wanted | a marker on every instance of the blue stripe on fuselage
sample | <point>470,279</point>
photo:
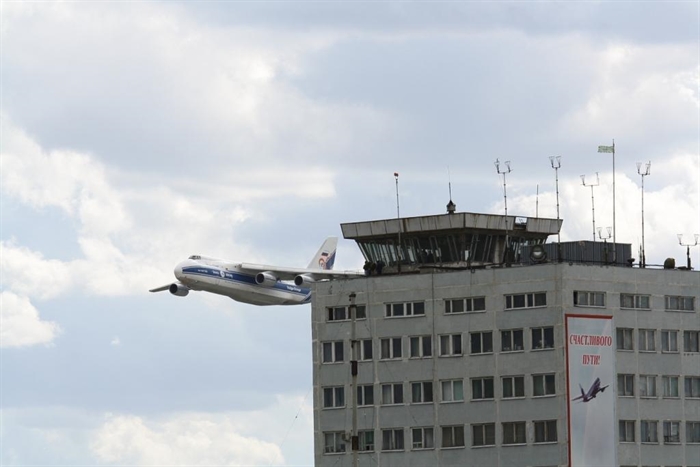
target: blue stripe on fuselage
<point>234,277</point>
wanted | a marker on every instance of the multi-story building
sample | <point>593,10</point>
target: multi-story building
<point>479,345</point>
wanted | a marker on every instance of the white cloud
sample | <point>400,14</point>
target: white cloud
<point>115,341</point>
<point>181,440</point>
<point>20,325</point>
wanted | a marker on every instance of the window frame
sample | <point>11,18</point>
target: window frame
<point>516,439</point>
<point>671,438</point>
<point>362,391</point>
<point>549,427</point>
<point>624,339</point>
<point>650,428</point>
<point>669,336</point>
<point>692,432</point>
<point>513,386</point>
<point>422,385</point>
<point>543,331</point>
<point>483,428</point>
<point>530,300</point>
<point>396,392</point>
<point>691,387</point>
<point>396,437</point>
<point>622,389</point>
<point>423,430</point>
<point>364,445</point>
<point>337,397</point>
<point>454,434</point>
<point>510,336</point>
<point>334,346</point>
<point>647,383</point>
<point>628,429</point>
<point>545,386</point>
<point>363,347</point>
<point>637,301</point>
<point>451,383</point>
<point>391,349</point>
<point>468,305</point>
<point>339,446</point>
<point>691,341</point>
<point>482,344</point>
<point>483,384</point>
<point>422,346</point>
<point>682,305</point>
<point>667,386</point>
<point>590,299</point>
<point>643,340</point>
<point>451,346</point>
<point>408,309</point>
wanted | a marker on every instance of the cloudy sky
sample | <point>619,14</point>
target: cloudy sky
<point>137,133</point>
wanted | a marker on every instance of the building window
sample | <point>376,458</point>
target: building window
<point>366,349</point>
<point>365,395</point>
<point>421,346</point>
<point>333,442</point>
<point>482,342</point>
<point>647,386</point>
<point>692,387</point>
<point>647,340</point>
<point>640,302</point>
<point>482,388</point>
<point>625,385</point>
<point>583,298</point>
<point>677,303</point>
<point>397,310</point>
<point>624,339</point>
<point>672,434</point>
<point>484,434</point>
<point>543,385</point>
<point>542,338</point>
<point>669,341</point>
<point>390,348</point>
<point>450,345</point>
<point>392,439</point>
<point>692,432</point>
<point>452,390</point>
<point>546,431</point>
<point>421,392</point>
<point>670,384</point>
<point>513,386</point>
<point>526,300</point>
<point>627,431</point>
<point>392,394</point>
<point>453,436</point>
<point>649,431</point>
<point>333,352</point>
<point>512,340</point>
<point>333,397</point>
<point>366,440</point>
<point>691,341</point>
<point>422,438</point>
<point>465,305</point>
<point>514,433</point>
<point>337,313</point>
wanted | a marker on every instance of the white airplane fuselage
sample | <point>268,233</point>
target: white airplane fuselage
<point>223,278</point>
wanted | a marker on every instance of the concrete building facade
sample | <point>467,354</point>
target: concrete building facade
<point>453,363</point>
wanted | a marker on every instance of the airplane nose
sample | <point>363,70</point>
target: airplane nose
<point>178,270</point>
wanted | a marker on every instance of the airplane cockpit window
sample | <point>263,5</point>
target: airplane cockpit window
<point>195,257</point>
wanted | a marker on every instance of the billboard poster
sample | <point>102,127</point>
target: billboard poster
<point>590,373</point>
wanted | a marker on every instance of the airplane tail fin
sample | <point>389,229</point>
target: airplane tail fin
<point>583,393</point>
<point>325,256</point>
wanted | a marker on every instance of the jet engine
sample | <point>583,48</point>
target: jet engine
<point>303,279</point>
<point>265,279</point>
<point>179,289</point>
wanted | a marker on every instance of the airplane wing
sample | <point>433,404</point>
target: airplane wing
<point>577,398</point>
<point>288,274</point>
<point>160,289</point>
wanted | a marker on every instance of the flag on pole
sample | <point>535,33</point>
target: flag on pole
<point>605,149</point>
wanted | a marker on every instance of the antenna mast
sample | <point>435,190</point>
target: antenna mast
<point>556,164</point>
<point>398,219</point>
<point>688,245</point>
<point>597,182</point>
<point>647,171</point>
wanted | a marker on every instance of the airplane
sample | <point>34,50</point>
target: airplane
<point>256,284</point>
<point>592,392</point>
